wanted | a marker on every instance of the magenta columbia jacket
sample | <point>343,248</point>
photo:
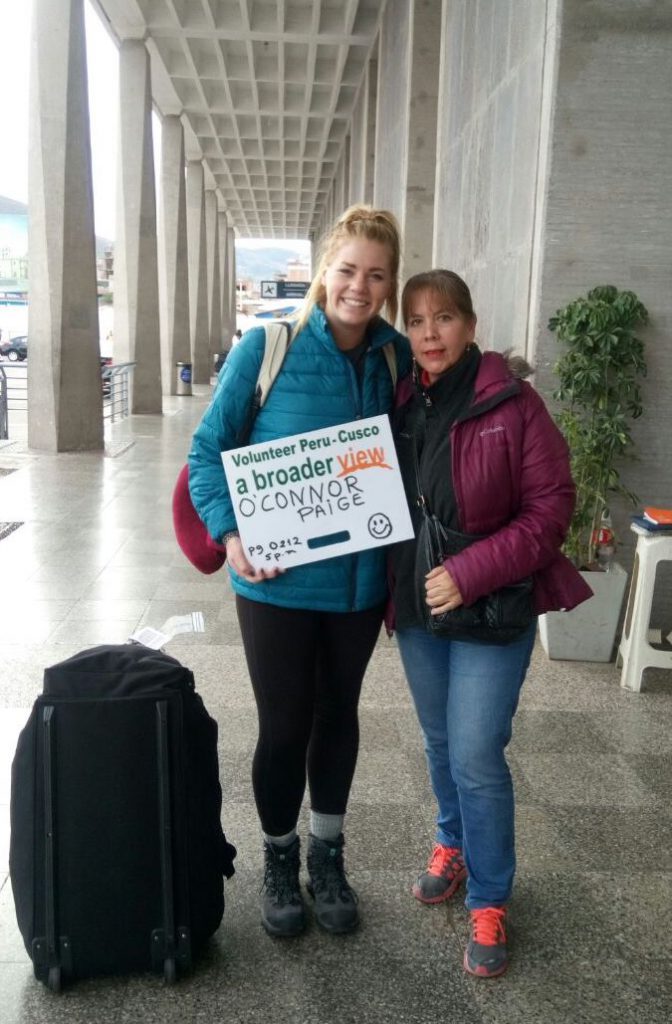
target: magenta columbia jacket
<point>512,482</point>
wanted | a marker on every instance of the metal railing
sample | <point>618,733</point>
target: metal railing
<point>116,383</point>
<point>4,422</point>
<point>117,380</point>
<point>13,394</point>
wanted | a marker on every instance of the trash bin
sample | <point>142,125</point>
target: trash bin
<point>183,379</point>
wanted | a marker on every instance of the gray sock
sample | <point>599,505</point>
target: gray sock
<point>285,840</point>
<point>326,826</point>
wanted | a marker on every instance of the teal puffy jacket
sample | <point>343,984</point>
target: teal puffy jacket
<point>317,387</point>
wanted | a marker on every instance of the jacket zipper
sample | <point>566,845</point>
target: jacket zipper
<point>358,393</point>
<point>359,406</point>
<point>456,491</point>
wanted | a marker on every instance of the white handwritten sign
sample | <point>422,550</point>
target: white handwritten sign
<point>319,494</point>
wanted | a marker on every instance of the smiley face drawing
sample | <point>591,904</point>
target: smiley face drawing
<point>379,526</point>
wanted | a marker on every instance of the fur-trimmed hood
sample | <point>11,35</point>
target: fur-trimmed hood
<point>517,365</point>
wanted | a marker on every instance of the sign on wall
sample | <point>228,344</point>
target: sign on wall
<point>283,289</point>
<point>312,496</point>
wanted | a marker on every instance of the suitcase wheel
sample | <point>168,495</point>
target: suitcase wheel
<point>169,970</point>
<point>54,979</point>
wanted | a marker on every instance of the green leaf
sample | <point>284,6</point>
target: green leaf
<point>599,393</point>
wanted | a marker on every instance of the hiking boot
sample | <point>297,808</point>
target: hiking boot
<point>486,955</point>
<point>442,878</point>
<point>335,901</point>
<point>282,908</point>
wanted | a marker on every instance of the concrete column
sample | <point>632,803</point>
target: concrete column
<point>198,279</point>
<point>212,263</point>
<point>175,343</point>
<point>343,179</point>
<point>604,204</point>
<point>492,99</point>
<point>321,229</point>
<point>358,148</point>
<point>136,292</point>
<point>370,113</point>
<point>228,322</point>
<point>64,387</point>
<point>231,263</point>
<point>407,123</point>
<point>339,191</point>
<point>418,215</point>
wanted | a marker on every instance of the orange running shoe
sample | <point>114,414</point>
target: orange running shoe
<point>486,955</point>
<point>442,878</point>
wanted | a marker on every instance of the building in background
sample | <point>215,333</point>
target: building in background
<point>298,270</point>
<point>13,251</point>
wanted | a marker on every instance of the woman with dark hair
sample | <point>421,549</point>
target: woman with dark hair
<point>479,452</point>
<point>309,632</point>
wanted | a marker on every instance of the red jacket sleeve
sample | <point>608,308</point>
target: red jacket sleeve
<point>533,537</point>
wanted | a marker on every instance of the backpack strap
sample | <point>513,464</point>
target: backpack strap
<point>390,354</point>
<point>278,338</point>
<point>277,341</point>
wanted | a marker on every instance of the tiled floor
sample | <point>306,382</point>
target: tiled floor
<point>592,941</point>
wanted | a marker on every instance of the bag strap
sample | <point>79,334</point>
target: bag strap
<point>278,337</point>
<point>420,500</point>
<point>390,354</point>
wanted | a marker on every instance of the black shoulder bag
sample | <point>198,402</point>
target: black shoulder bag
<point>496,618</point>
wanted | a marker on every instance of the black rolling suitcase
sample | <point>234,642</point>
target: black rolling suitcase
<point>117,854</point>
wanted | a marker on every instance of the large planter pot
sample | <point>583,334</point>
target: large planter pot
<point>588,632</point>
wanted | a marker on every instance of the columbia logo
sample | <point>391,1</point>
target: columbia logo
<point>492,430</point>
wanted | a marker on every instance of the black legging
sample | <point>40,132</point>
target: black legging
<point>306,669</point>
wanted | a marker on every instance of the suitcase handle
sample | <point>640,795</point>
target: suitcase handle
<point>51,956</point>
<point>49,859</point>
<point>166,830</point>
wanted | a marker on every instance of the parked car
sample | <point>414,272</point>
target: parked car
<point>16,349</point>
<point>107,383</point>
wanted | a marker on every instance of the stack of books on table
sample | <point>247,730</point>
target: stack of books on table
<point>654,519</point>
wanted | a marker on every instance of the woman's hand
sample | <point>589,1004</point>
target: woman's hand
<point>235,556</point>
<point>442,594</point>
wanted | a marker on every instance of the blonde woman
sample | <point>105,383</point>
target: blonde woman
<point>309,632</point>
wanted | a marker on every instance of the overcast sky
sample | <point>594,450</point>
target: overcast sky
<point>103,67</point>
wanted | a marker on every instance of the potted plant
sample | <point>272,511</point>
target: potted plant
<point>599,393</point>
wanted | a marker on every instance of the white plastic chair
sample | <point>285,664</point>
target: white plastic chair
<point>635,652</point>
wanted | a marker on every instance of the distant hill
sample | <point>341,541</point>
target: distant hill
<point>12,207</point>
<point>255,264</point>
<point>263,264</point>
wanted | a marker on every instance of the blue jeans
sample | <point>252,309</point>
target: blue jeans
<point>466,695</point>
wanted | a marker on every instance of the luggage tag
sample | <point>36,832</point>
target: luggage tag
<point>192,622</point>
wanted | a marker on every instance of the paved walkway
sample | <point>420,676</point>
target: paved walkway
<point>95,556</point>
